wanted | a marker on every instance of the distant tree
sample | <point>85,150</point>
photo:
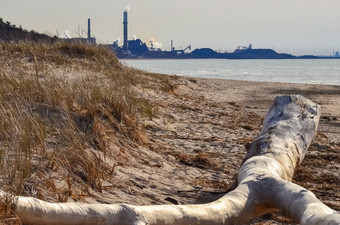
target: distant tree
<point>10,32</point>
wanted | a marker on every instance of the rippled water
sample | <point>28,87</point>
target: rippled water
<point>308,71</point>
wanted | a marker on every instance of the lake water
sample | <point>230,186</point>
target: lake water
<point>308,71</point>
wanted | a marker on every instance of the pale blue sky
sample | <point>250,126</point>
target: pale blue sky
<point>291,26</point>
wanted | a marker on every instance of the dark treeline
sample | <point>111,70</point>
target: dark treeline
<point>10,32</point>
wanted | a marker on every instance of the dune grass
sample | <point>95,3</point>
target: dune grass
<point>65,107</point>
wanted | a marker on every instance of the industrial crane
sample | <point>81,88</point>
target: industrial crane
<point>189,47</point>
<point>182,50</point>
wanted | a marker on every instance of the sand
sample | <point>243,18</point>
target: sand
<point>199,136</point>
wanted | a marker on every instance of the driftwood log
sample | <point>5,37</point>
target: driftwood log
<point>263,184</point>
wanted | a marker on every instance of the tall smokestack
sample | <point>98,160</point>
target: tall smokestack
<point>125,45</point>
<point>125,22</point>
<point>89,28</point>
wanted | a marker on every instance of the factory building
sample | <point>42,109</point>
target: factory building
<point>136,48</point>
<point>89,38</point>
<point>130,48</point>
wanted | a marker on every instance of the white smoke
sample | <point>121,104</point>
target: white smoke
<point>134,37</point>
<point>127,8</point>
<point>155,44</point>
<point>66,35</point>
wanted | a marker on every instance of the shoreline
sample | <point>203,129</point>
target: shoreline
<point>253,70</point>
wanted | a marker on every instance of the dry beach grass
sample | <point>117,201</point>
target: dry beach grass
<point>59,104</point>
<point>76,125</point>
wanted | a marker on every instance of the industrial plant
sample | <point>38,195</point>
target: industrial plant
<point>90,39</point>
<point>136,48</point>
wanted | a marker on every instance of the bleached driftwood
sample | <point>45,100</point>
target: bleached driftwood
<point>264,184</point>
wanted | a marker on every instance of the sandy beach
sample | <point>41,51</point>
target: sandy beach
<point>91,130</point>
<point>198,139</point>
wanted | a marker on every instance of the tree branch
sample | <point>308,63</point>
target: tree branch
<point>264,184</point>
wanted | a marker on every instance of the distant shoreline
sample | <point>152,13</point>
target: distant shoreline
<point>138,49</point>
<point>301,71</point>
<point>297,58</point>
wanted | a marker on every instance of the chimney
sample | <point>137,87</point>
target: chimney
<point>89,29</point>
<point>125,22</point>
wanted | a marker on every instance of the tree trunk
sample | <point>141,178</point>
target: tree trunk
<point>264,184</point>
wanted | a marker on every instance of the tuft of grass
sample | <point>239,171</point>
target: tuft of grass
<point>66,112</point>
